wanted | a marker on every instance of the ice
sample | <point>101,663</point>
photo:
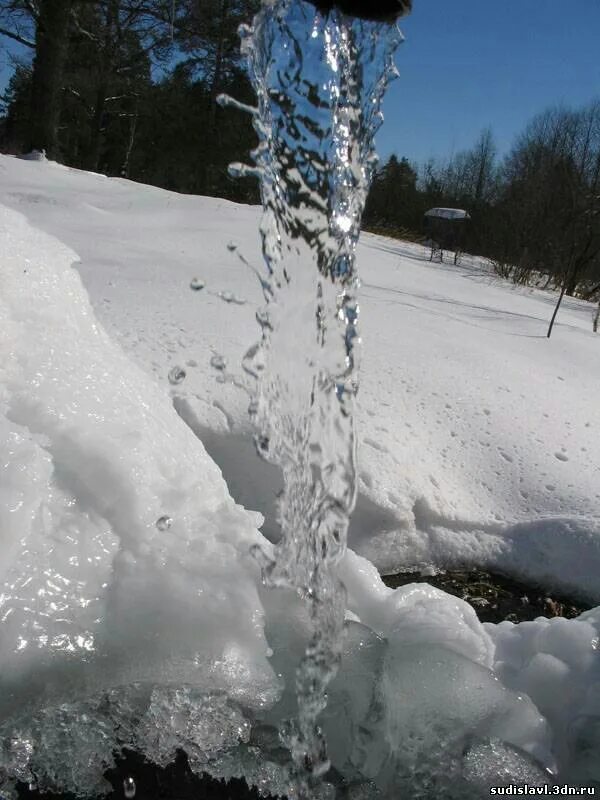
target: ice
<point>254,765</point>
<point>414,614</point>
<point>65,748</point>
<point>495,763</point>
<point>68,747</point>
<point>584,745</point>
<point>406,705</point>
<point>556,663</point>
<point>351,697</point>
<point>431,704</point>
<point>203,725</point>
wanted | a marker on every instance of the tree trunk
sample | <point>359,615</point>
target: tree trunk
<point>93,156</point>
<point>51,43</point>
<point>128,152</point>
<point>572,283</point>
<point>215,88</point>
<point>110,45</point>
<point>216,81</point>
<point>596,319</point>
<point>560,297</point>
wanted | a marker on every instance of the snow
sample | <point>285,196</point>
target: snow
<point>478,442</point>
<point>478,436</point>
<point>93,454</point>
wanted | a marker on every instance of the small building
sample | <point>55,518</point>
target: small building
<point>445,228</point>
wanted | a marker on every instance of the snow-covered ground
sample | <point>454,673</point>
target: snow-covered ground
<point>479,443</point>
<point>479,438</point>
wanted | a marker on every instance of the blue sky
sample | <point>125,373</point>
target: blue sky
<point>470,64</point>
<point>8,48</point>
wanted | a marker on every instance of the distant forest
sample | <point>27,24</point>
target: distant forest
<point>129,88</point>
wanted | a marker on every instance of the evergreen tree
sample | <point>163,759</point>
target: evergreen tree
<point>393,199</point>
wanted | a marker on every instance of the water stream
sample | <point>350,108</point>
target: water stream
<point>319,80</point>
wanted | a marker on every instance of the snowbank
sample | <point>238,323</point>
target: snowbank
<point>124,557</point>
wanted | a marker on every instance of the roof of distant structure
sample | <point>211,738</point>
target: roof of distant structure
<point>448,213</point>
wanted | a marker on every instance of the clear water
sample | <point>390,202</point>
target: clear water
<point>319,82</point>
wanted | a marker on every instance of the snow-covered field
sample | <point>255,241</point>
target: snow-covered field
<point>479,437</point>
<point>479,442</point>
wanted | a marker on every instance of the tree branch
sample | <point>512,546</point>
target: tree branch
<point>82,30</point>
<point>17,38</point>
<point>32,8</point>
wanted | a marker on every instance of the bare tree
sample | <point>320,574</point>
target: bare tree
<point>550,202</point>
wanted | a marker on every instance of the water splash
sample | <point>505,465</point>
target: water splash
<point>319,80</point>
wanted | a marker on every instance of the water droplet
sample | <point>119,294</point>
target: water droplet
<point>176,375</point>
<point>129,787</point>
<point>196,284</point>
<point>164,523</point>
<point>218,362</point>
<point>232,247</point>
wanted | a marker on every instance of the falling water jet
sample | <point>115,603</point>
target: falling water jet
<point>319,75</point>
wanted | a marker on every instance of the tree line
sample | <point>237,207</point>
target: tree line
<point>534,213</point>
<point>128,87</point>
